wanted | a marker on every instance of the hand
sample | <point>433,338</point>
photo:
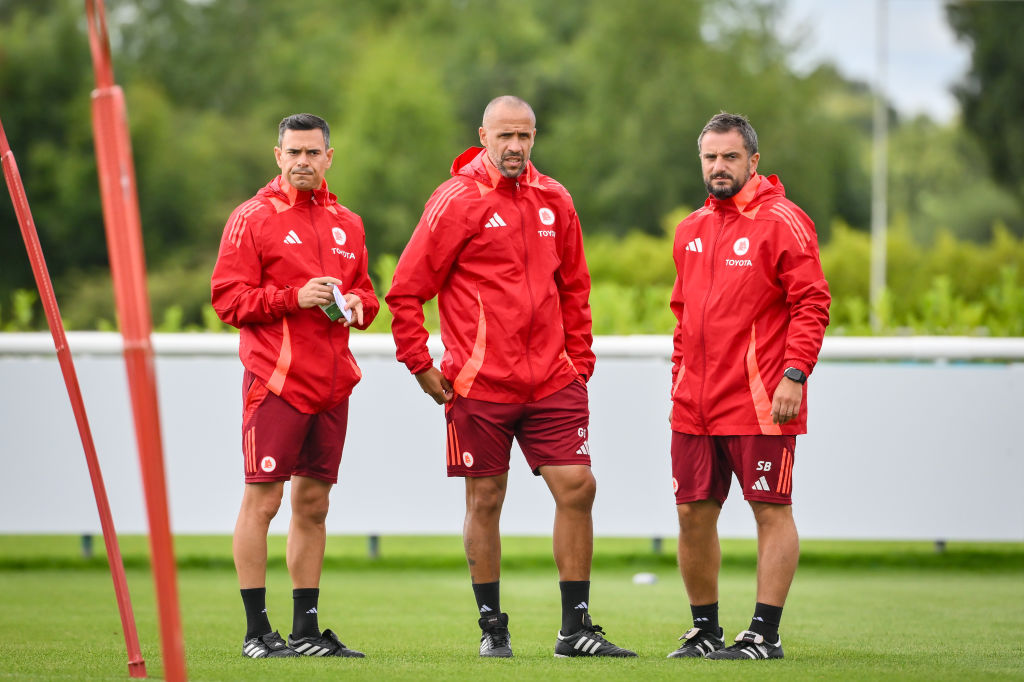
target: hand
<point>317,291</point>
<point>355,304</point>
<point>435,385</point>
<point>786,402</point>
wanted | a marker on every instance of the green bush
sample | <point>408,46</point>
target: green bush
<point>952,286</point>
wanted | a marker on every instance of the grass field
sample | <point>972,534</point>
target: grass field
<point>857,611</point>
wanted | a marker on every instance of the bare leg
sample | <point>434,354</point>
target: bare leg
<point>480,534</point>
<point>700,554</point>
<point>778,551</point>
<point>260,502</point>
<point>307,533</point>
<point>573,488</point>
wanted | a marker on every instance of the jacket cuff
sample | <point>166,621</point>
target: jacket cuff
<point>285,301</point>
<point>420,363</point>
<point>799,364</point>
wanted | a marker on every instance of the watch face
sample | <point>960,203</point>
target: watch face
<point>795,374</point>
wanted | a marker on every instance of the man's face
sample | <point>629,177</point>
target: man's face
<point>508,133</point>
<point>725,163</point>
<point>303,159</point>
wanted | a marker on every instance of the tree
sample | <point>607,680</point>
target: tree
<point>992,96</point>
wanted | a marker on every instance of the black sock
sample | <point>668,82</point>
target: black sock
<point>256,622</point>
<point>575,595</point>
<point>304,620</point>
<point>706,618</point>
<point>488,601</point>
<point>766,621</point>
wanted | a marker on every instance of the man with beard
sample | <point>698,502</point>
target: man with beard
<point>286,254</point>
<point>752,306</point>
<point>500,245</point>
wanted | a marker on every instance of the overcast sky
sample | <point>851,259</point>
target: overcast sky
<point>925,58</point>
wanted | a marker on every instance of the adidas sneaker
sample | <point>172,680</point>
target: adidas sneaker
<point>588,641</point>
<point>270,645</point>
<point>749,646</point>
<point>698,643</point>
<point>495,640</point>
<point>325,644</point>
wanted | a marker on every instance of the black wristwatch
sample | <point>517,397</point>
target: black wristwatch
<point>794,374</point>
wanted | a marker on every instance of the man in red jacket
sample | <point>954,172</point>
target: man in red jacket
<point>500,245</point>
<point>752,306</point>
<point>286,255</point>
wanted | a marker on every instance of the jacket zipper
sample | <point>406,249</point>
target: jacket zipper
<point>330,327</point>
<point>703,319</point>
<point>529,288</point>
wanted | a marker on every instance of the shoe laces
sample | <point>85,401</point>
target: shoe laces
<point>496,637</point>
<point>597,630</point>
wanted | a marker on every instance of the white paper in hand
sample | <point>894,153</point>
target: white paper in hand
<point>339,298</point>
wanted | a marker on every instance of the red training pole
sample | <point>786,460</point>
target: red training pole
<point>128,269</point>
<point>136,664</point>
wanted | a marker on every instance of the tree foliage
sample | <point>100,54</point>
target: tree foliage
<point>621,91</point>
<point>992,97</point>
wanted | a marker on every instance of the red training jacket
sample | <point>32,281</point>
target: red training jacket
<point>272,245</point>
<point>751,300</point>
<point>505,258</point>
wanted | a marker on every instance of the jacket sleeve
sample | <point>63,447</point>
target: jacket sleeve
<point>363,288</point>
<point>677,303</point>
<point>806,292</point>
<point>573,282</point>
<point>421,271</point>
<point>235,287</point>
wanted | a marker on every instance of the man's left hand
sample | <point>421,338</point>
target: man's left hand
<point>786,403</point>
<point>355,304</point>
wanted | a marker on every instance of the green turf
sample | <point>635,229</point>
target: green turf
<point>857,611</point>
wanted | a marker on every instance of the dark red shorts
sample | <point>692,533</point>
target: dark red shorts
<point>550,431</point>
<point>279,442</point>
<point>702,467</point>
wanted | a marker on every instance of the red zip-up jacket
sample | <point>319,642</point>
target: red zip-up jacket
<point>505,258</point>
<point>272,245</point>
<point>751,300</point>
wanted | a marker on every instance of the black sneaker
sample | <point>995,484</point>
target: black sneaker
<point>495,641</point>
<point>270,645</point>
<point>749,646</point>
<point>698,644</point>
<point>326,644</point>
<point>588,641</point>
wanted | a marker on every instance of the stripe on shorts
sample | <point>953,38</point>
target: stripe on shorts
<point>785,484</point>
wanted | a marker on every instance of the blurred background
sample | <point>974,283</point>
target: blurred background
<point>621,91</point>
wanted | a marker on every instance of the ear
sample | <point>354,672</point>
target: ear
<point>753,163</point>
<point>330,156</point>
<point>277,157</point>
<point>483,136</point>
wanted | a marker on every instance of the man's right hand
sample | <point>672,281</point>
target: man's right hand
<point>435,385</point>
<point>317,291</point>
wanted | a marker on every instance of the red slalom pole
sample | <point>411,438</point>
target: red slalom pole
<point>128,270</point>
<point>136,664</point>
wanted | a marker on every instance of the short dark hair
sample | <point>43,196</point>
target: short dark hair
<point>304,122</point>
<point>723,122</point>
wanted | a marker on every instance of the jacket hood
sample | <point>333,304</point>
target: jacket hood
<point>474,163</point>
<point>758,190</point>
<point>282,191</point>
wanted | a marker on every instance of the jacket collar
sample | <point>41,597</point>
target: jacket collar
<point>750,197</point>
<point>281,189</point>
<point>476,164</point>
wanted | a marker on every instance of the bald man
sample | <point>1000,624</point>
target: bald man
<point>501,246</point>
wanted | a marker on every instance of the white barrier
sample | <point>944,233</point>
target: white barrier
<point>924,449</point>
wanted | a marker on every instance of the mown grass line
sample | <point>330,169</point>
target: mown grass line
<point>397,553</point>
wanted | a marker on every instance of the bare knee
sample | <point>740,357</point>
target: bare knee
<point>311,506</point>
<point>261,504</point>
<point>484,497</point>
<point>577,490</point>
<point>698,516</point>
